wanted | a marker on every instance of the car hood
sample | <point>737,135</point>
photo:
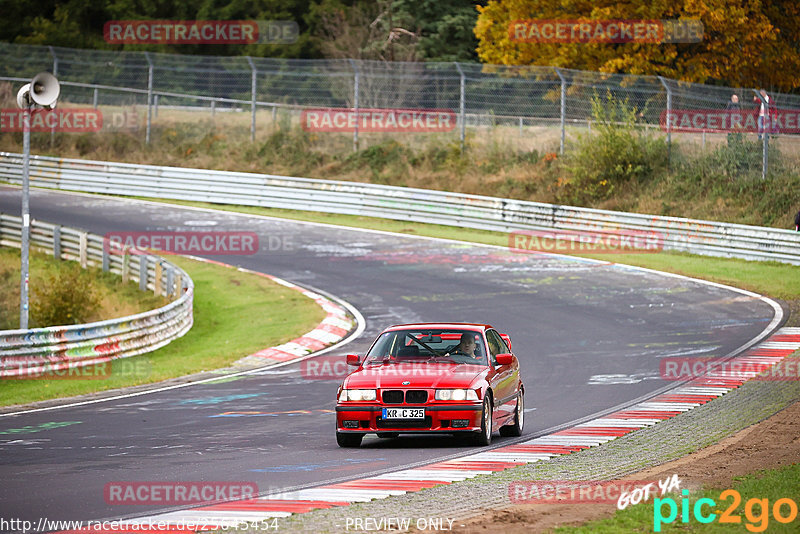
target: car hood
<point>430,375</point>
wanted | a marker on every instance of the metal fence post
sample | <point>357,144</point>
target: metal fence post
<point>149,97</point>
<point>95,97</point>
<point>669,121</point>
<point>462,104</point>
<point>106,254</point>
<point>157,283</point>
<point>57,242</point>
<point>356,76</point>
<point>253,79</point>
<point>142,272</point>
<point>563,111</point>
<point>765,135</point>
<point>83,243</point>
<point>55,60</point>
<point>126,265</point>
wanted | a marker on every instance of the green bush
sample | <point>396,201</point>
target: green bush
<point>67,297</point>
<point>616,153</point>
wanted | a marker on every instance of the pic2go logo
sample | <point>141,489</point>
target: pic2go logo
<point>758,520</point>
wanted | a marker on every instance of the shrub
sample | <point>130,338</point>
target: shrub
<point>67,297</point>
<point>615,154</point>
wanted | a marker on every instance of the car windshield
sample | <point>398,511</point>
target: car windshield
<point>428,346</point>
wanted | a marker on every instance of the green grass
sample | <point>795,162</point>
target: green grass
<point>771,484</point>
<point>777,280</point>
<point>235,314</point>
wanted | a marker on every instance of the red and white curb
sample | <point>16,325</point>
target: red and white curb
<point>589,434</point>
<point>333,328</point>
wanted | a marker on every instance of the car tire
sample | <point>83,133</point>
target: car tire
<point>484,437</point>
<point>515,428</point>
<point>388,434</point>
<point>346,439</point>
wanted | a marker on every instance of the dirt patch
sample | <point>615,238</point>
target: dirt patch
<point>772,443</point>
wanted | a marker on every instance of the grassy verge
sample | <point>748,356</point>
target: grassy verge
<point>773,279</point>
<point>771,485</point>
<point>235,314</point>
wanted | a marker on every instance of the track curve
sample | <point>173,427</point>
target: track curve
<point>589,336</point>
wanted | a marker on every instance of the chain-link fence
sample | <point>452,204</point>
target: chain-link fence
<point>542,108</point>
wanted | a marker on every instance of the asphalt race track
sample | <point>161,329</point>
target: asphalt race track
<point>589,337</point>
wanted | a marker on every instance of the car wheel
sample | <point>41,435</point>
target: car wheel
<point>515,428</point>
<point>484,437</point>
<point>388,434</point>
<point>345,439</point>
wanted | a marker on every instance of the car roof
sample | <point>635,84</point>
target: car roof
<point>478,327</point>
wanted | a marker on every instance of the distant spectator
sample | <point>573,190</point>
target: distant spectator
<point>797,222</point>
<point>733,107</point>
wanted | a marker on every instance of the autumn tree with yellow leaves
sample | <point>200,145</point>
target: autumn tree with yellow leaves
<point>746,43</point>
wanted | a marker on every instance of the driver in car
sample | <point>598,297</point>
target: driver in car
<point>466,345</point>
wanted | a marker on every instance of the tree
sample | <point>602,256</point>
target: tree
<point>744,40</point>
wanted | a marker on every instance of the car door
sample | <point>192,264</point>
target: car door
<point>504,380</point>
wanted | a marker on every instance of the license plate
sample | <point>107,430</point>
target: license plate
<point>404,413</point>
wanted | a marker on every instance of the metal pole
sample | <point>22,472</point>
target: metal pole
<point>149,97</point>
<point>669,121</point>
<point>253,78</point>
<point>765,138</point>
<point>462,105</point>
<point>563,108</point>
<point>95,97</point>
<point>355,103</point>
<point>26,218</point>
<point>55,73</point>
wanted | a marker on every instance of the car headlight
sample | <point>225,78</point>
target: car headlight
<point>456,394</point>
<point>357,395</point>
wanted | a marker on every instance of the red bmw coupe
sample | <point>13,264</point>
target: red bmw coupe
<point>452,378</point>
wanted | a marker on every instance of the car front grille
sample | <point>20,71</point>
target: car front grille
<point>397,396</point>
<point>416,396</point>
<point>392,396</point>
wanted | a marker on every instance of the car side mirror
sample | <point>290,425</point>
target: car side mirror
<point>504,359</point>
<point>353,359</point>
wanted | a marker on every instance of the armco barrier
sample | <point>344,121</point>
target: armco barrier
<point>421,205</point>
<point>58,348</point>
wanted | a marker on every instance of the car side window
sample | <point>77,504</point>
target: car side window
<point>496,345</point>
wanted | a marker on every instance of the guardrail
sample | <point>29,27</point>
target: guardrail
<point>400,203</point>
<point>54,350</point>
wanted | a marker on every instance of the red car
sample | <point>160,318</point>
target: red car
<point>453,378</point>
